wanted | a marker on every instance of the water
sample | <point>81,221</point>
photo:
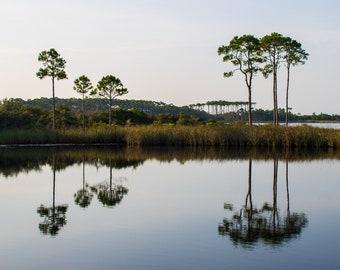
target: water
<point>182,209</point>
<point>335,125</point>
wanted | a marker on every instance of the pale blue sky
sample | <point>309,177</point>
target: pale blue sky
<point>167,50</point>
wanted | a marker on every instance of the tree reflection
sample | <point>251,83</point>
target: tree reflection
<point>251,225</point>
<point>83,197</point>
<point>17,160</point>
<point>110,193</point>
<point>54,216</point>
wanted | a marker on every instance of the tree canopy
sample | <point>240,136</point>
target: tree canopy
<point>53,67</point>
<point>83,85</point>
<point>250,55</point>
<point>110,87</point>
<point>244,53</point>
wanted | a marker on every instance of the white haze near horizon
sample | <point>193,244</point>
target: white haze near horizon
<point>167,50</point>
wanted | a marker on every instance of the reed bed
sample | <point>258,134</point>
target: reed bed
<point>103,135</point>
<point>233,135</point>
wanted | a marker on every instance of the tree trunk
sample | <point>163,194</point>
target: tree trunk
<point>110,175</point>
<point>54,169</point>
<point>53,123</point>
<point>110,109</point>
<point>248,197</point>
<point>287,89</point>
<point>250,116</point>
<point>275,112</point>
<point>83,109</point>
<point>83,173</point>
<point>287,189</point>
<point>275,210</point>
<point>110,112</point>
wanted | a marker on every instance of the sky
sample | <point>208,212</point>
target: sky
<point>166,50</point>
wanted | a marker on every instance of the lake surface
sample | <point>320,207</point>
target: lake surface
<point>107,208</point>
<point>335,125</point>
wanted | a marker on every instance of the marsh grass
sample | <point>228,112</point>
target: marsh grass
<point>232,135</point>
<point>29,136</point>
<point>113,135</point>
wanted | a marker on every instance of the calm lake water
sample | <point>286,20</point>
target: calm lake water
<point>107,208</point>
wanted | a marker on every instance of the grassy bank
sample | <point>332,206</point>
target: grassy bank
<point>234,135</point>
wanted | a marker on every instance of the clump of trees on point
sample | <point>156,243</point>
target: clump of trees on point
<point>251,55</point>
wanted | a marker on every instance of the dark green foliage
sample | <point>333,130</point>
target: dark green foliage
<point>152,108</point>
<point>36,114</point>
<point>65,117</point>
<point>165,118</point>
<point>186,120</point>
<point>109,194</point>
<point>132,116</point>
<point>54,219</point>
<point>15,114</point>
<point>53,65</point>
<point>109,87</point>
<point>83,197</point>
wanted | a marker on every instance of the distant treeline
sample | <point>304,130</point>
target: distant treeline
<point>152,108</point>
<point>36,113</point>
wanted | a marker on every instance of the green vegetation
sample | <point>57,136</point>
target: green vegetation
<point>231,135</point>
<point>24,124</point>
<point>36,113</point>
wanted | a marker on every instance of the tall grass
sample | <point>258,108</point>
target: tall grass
<point>233,135</point>
<point>186,135</point>
<point>102,135</point>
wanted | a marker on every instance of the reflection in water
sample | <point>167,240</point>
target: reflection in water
<point>250,225</point>
<point>84,196</point>
<point>164,201</point>
<point>16,160</point>
<point>110,194</point>
<point>54,216</point>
